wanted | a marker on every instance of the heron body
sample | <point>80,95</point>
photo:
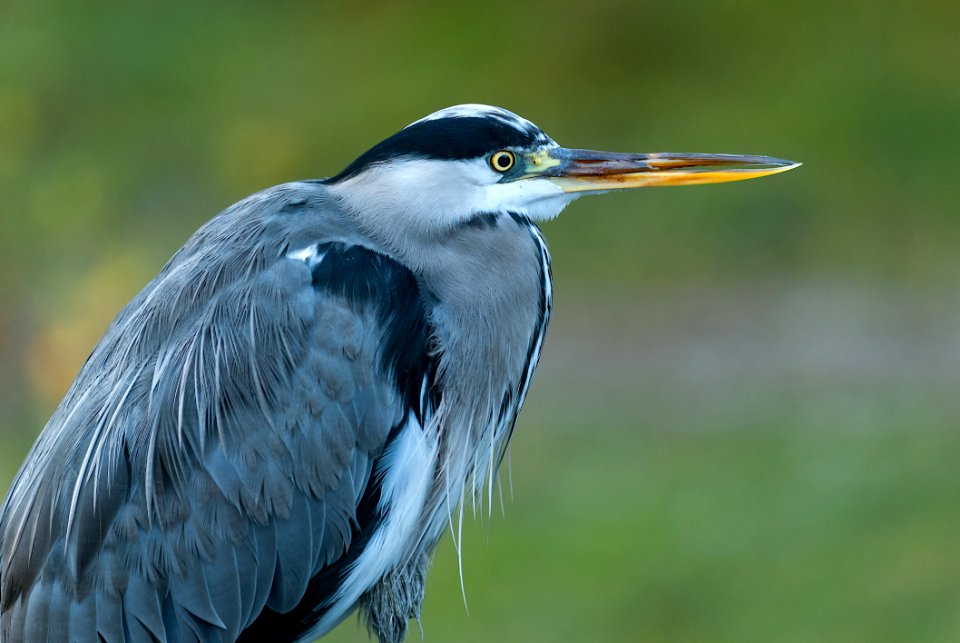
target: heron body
<point>276,430</point>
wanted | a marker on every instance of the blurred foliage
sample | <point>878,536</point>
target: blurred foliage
<point>124,126</point>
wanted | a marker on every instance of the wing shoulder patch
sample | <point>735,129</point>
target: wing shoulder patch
<point>368,280</point>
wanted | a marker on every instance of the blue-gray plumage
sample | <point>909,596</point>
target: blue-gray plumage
<point>276,430</point>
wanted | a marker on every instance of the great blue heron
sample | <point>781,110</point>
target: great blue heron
<point>276,430</point>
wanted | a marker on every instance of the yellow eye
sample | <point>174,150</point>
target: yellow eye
<point>503,160</point>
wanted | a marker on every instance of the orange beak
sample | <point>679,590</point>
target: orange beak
<point>588,171</point>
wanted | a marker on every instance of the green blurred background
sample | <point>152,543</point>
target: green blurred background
<point>745,423</point>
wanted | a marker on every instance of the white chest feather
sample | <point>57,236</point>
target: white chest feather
<point>407,470</point>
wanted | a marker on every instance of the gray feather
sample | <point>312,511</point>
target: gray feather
<point>222,396</point>
<point>295,557</point>
<point>141,603</point>
<point>110,620</point>
<point>83,619</point>
<point>37,609</point>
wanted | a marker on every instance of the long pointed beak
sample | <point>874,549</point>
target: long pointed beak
<point>588,171</point>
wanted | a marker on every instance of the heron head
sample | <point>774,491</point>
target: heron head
<point>454,164</point>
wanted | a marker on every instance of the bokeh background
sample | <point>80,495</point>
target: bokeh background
<point>745,424</point>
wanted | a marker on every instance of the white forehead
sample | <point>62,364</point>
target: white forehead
<point>478,110</point>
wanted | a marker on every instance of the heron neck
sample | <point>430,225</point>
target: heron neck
<point>489,310</point>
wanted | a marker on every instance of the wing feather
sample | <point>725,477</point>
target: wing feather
<point>143,601</point>
<point>109,619</point>
<point>209,461</point>
<point>37,611</point>
<point>83,619</point>
<point>294,557</point>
